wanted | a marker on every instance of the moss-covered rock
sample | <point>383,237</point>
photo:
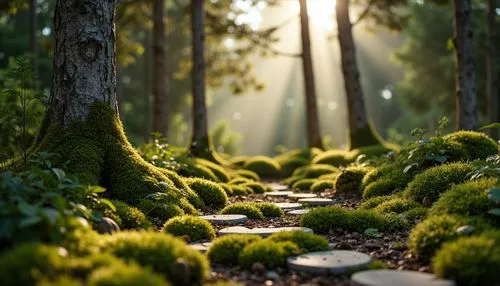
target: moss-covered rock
<point>289,165</point>
<point>239,160</point>
<point>349,180</point>
<point>159,209</point>
<point>226,250</point>
<point>321,220</point>
<point>303,184</point>
<point>257,188</point>
<point>264,166</point>
<point>320,186</point>
<point>316,170</point>
<point>333,157</point>
<point>219,171</point>
<point>227,188</point>
<point>193,227</point>
<point>478,145</point>
<point>269,209</point>
<point>307,242</point>
<point>240,190</point>
<point>211,193</point>
<point>270,254</point>
<point>126,275</point>
<point>130,217</point>
<point>396,205</point>
<point>248,209</point>
<point>240,181</point>
<point>381,187</point>
<point>247,174</point>
<point>375,201</point>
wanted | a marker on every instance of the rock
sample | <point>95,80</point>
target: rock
<point>201,247</point>
<point>278,194</point>
<point>397,278</point>
<point>329,262</point>
<point>316,202</point>
<point>398,245</point>
<point>298,212</point>
<point>352,241</point>
<point>263,232</point>
<point>226,219</point>
<point>107,225</point>
<point>302,196</point>
<point>289,206</point>
<point>372,245</point>
<point>272,275</point>
<point>258,267</point>
<point>278,187</point>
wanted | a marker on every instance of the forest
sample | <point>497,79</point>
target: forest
<point>249,142</point>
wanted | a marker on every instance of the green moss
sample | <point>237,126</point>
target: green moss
<point>211,193</point>
<point>314,171</point>
<point>256,187</point>
<point>160,210</point>
<point>240,190</point>
<point>470,261</point>
<point>193,227</point>
<point>269,209</point>
<point>226,250</point>
<point>179,183</point>
<point>375,201</point>
<point>307,154</point>
<point>130,217</point>
<point>227,188</point>
<point>198,171</point>
<point>264,166</point>
<point>270,254</point>
<point>289,165</point>
<point>349,180</point>
<point>239,160</point>
<point>361,220</point>
<point>126,275</point>
<point>239,181</point>
<point>321,220</point>
<point>247,174</point>
<point>396,205</point>
<point>304,184</point>
<point>362,137</point>
<point>385,180</point>
<point>330,177</point>
<point>478,145</point>
<point>434,181</point>
<point>292,180</point>
<point>382,187</point>
<point>416,214</point>
<point>320,186</point>
<point>428,236</point>
<point>332,157</point>
<point>248,209</point>
<point>218,171</point>
<point>61,281</point>
<point>372,151</point>
<point>157,251</point>
<point>307,242</point>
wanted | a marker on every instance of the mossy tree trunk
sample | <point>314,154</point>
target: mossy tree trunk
<point>360,130</point>
<point>313,130</point>
<point>159,90</point>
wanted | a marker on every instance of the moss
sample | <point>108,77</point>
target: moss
<point>307,242</point>
<point>349,180</point>
<point>382,187</point>
<point>361,220</point>
<point>218,171</point>
<point>314,171</point>
<point>127,275</point>
<point>332,157</point>
<point>157,251</point>
<point>193,227</point>
<point>269,209</point>
<point>240,190</point>
<point>211,193</point>
<point>323,219</point>
<point>226,250</point>
<point>292,180</point>
<point>375,201</point>
<point>428,236</point>
<point>330,177</point>
<point>248,209</point>
<point>304,184</point>
<point>469,199</point>
<point>384,180</point>
<point>130,217</point>
<point>416,214</point>
<point>372,151</point>
<point>478,145</point>
<point>396,205</point>
<point>256,187</point>
<point>247,174</point>
<point>307,154</point>
<point>160,210</point>
<point>227,188</point>
<point>238,160</point>
<point>470,261</point>
<point>179,183</point>
<point>239,181</point>
<point>434,181</point>
<point>362,137</point>
<point>270,254</point>
<point>64,280</point>
<point>198,171</point>
<point>264,166</point>
<point>289,165</point>
<point>320,186</point>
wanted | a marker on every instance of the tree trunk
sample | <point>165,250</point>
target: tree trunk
<point>159,93</point>
<point>33,39</point>
<point>313,132</point>
<point>465,73</point>
<point>360,130</point>
<point>492,92</point>
<point>147,87</point>
<point>120,97</point>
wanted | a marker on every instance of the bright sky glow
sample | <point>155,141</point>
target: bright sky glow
<point>332,105</point>
<point>46,31</point>
<point>320,13</point>
<point>386,94</point>
<point>252,17</point>
<point>498,11</point>
<point>229,43</point>
<point>237,116</point>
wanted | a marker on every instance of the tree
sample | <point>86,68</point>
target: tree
<point>33,36</point>
<point>492,92</point>
<point>465,72</point>
<point>159,91</point>
<point>313,130</point>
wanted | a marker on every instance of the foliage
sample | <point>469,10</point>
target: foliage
<point>127,275</point>
<point>248,209</point>
<point>487,168</point>
<point>264,166</point>
<point>322,185</point>
<point>159,153</point>
<point>130,217</point>
<point>396,205</point>
<point>332,157</point>
<point>269,209</point>
<point>271,254</point>
<point>307,242</point>
<point>349,180</point>
<point>211,193</point>
<point>303,184</point>
<point>226,249</point>
<point>193,227</point>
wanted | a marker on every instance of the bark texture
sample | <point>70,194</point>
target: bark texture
<point>159,91</point>
<point>313,130</point>
<point>33,38</point>
<point>492,92</point>
<point>84,62</point>
<point>465,73</point>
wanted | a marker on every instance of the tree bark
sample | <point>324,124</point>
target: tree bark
<point>360,131</point>
<point>492,92</point>
<point>33,39</point>
<point>147,87</point>
<point>465,73</point>
<point>313,130</point>
<point>159,92</point>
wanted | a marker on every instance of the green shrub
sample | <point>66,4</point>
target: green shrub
<point>256,187</point>
<point>247,174</point>
<point>396,205</point>
<point>304,184</point>
<point>323,219</point>
<point>269,209</point>
<point>289,165</point>
<point>314,171</point>
<point>432,182</point>
<point>270,254</point>
<point>333,157</point>
<point>211,193</point>
<point>428,236</point>
<point>160,210</point>
<point>416,214</point>
<point>349,180</point>
<point>248,209</point>
<point>194,227</point>
<point>470,261</point>
<point>158,251</point>
<point>307,242</point>
<point>468,199</point>
<point>127,275</point>
<point>477,145</point>
<point>375,201</point>
<point>130,217</point>
<point>320,186</point>
<point>226,250</point>
<point>264,166</point>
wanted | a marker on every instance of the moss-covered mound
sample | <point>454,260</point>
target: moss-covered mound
<point>247,174</point>
<point>269,209</point>
<point>322,185</point>
<point>264,166</point>
<point>248,209</point>
<point>227,188</point>
<point>289,165</point>
<point>470,261</point>
<point>211,193</point>
<point>307,242</point>
<point>240,181</point>
<point>316,170</point>
<point>193,170</point>
<point>239,160</point>
<point>270,254</point>
<point>130,217</point>
<point>375,201</point>
<point>428,185</point>
<point>193,227</point>
<point>303,184</point>
<point>349,180</point>
<point>478,145</point>
<point>159,209</point>
<point>385,180</point>
<point>372,151</point>
<point>333,157</point>
<point>219,171</point>
<point>396,205</point>
<point>179,183</point>
<point>226,249</point>
<point>321,220</point>
<point>257,188</point>
<point>239,190</point>
<point>125,275</point>
<point>416,214</point>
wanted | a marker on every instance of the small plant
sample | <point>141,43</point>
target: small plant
<point>270,254</point>
<point>307,242</point>
<point>226,250</point>
<point>487,168</point>
<point>248,209</point>
<point>159,153</point>
<point>269,209</point>
<point>211,193</point>
<point>193,227</point>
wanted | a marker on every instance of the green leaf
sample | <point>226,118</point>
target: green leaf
<point>96,189</point>
<point>51,215</point>
<point>441,159</point>
<point>494,194</point>
<point>59,174</point>
<point>27,209</point>
<point>108,203</point>
<point>490,126</point>
<point>29,221</point>
<point>495,212</point>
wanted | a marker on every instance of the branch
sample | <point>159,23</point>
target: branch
<point>365,13</point>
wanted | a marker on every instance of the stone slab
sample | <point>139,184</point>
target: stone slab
<point>302,196</point>
<point>278,187</point>
<point>263,232</point>
<point>298,212</point>
<point>397,278</point>
<point>226,219</point>
<point>289,206</point>
<point>278,194</point>
<point>329,262</point>
<point>316,202</point>
<point>201,247</point>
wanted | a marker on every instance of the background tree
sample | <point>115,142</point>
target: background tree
<point>492,91</point>
<point>159,77</point>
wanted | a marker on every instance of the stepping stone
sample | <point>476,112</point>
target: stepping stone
<point>289,206</point>
<point>329,262</point>
<point>316,202</point>
<point>226,219</point>
<point>201,247</point>
<point>397,278</point>
<point>298,212</point>
<point>263,232</point>
<point>278,187</point>
<point>279,194</point>
<point>302,196</point>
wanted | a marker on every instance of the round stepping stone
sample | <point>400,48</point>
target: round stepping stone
<point>329,262</point>
<point>302,196</point>
<point>316,202</point>
<point>289,206</point>
<point>298,212</point>
<point>201,247</point>
<point>279,194</point>
<point>397,278</point>
<point>278,187</point>
<point>226,219</point>
<point>263,232</point>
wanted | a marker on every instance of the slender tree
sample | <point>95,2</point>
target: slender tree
<point>159,91</point>
<point>33,37</point>
<point>313,130</point>
<point>492,92</point>
<point>465,73</point>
